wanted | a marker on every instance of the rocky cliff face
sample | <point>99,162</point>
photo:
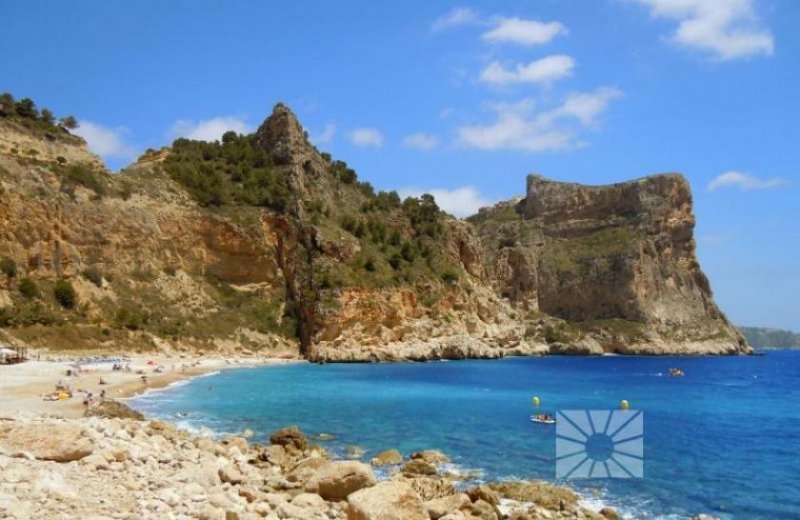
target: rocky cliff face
<point>617,263</point>
<point>262,241</point>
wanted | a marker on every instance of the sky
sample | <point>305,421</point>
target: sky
<point>463,100</point>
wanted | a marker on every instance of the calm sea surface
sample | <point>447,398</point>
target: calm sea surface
<point>723,440</point>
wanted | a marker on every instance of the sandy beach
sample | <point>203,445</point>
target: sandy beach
<point>23,386</point>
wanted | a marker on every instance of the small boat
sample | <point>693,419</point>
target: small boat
<point>543,419</point>
<point>676,372</point>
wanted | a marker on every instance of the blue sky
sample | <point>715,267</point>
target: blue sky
<point>464,99</point>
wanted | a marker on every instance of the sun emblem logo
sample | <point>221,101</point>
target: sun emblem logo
<point>600,444</point>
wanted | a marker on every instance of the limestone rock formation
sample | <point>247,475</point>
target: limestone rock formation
<point>263,242</point>
<point>616,263</point>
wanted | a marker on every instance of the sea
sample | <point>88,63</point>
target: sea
<point>723,439</point>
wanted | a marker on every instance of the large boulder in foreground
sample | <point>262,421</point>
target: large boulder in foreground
<point>336,480</point>
<point>58,442</point>
<point>389,500</point>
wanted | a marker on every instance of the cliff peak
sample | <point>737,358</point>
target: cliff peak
<point>654,194</point>
<point>282,135</point>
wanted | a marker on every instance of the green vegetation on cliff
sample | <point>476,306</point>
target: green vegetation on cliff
<point>397,240</point>
<point>41,122</point>
<point>766,338</point>
<point>576,254</point>
<point>234,171</point>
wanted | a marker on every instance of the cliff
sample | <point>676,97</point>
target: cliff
<point>263,242</point>
<point>617,263</point>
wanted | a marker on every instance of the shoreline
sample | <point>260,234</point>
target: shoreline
<point>128,386</point>
<point>22,386</point>
<point>586,500</point>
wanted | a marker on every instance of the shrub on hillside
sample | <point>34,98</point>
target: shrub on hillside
<point>8,267</point>
<point>94,275</point>
<point>28,288</point>
<point>65,294</point>
<point>81,174</point>
<point>236,170</point>
<point>449,276</point>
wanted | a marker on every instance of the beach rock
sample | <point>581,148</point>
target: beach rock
<point>440,507</point>
<point>612,514</point>
<point>289,436</point>
<point>431,488</point>
<point>484,493</point>
<point>59,442</point>
<point>336,480</point>
<point>249,494</point>
<point>210,512</point>
<point>485,511</point>
<point>432,456</point>
<point>389,500</point>
<point>96,461</point>
<point>305,469</point>
<point>110,409</point>
<point>540,493</point>
<point>387,458</point>
<point>274,454</point>
<point>311,501</point>
<point>419,467</point>
<point>295,512</point>
<point>230,474</point>
<point>238,442</point>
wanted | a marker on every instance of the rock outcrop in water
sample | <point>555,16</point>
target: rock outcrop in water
<point>264,242</point>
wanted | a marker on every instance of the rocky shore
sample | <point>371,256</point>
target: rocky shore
<point>113,467</point>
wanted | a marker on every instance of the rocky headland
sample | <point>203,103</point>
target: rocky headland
<point>262,243</point>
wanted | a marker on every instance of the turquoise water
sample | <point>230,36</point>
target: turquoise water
<point>723,440</point>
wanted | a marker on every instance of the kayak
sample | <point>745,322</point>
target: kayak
<point>542,421</point>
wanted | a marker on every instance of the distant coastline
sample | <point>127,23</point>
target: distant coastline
<point>765,338</point>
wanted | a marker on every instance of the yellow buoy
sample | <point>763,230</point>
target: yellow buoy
<point>623,405</point>
<point>536,402</point>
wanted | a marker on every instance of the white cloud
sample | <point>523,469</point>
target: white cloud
<point>727,28</point>
<point>743,181</point>
<point>461,202</point>
<point>421,141</point>
<point>210,129</point>
<point>366,137</point>
<point>326,136</point>
<point>544,70</point>
<point>525,32</point>
<point>587,106</point>
<point>518,126</point>
<point>106,142</point>
<point>457,16</point>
